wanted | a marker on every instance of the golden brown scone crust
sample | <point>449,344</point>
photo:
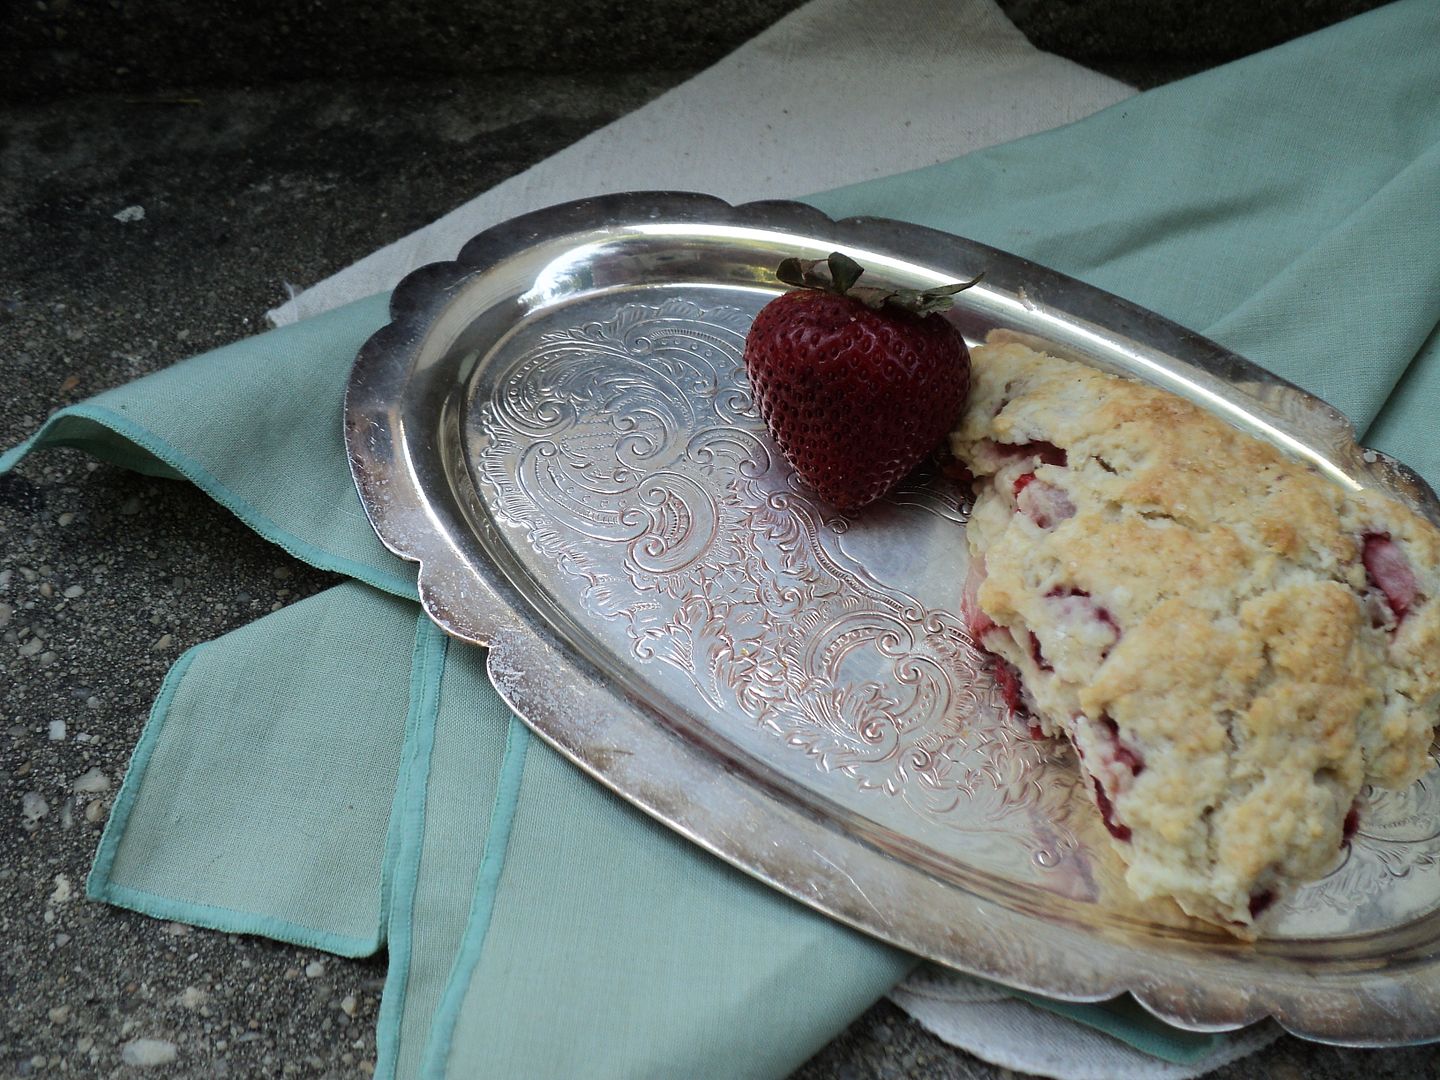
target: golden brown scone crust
<point>1205,626</point>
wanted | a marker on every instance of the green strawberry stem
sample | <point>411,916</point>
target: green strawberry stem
<point>844,271</point>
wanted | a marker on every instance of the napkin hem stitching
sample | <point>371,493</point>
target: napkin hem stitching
<point>482,908</point>
<point>232,921</point>
<point>99,878</point>
<point>399,880</point>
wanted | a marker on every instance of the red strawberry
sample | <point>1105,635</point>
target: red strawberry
<point>857,385</point>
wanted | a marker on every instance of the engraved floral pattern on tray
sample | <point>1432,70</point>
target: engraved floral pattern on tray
<point>1398,836</point>
<point>629,453</point>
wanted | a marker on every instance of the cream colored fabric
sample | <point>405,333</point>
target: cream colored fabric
<point>769,121</point>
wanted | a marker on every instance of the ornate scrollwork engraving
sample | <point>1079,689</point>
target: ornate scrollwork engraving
<point>1398,837</point>
<point>630,454</point>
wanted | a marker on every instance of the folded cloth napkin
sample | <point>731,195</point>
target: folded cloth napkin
<point>536,925</point>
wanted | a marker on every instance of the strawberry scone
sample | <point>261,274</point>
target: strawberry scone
<point>1233,643</point>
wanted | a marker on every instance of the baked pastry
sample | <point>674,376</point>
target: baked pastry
<point>1234,643</point>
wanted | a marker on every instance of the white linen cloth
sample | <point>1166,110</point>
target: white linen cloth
<point>770,121</point>
<point>1014,1034</point>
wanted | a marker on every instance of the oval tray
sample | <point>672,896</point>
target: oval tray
<point>557,426</point>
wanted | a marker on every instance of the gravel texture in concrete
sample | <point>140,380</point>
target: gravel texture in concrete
<point>54,48</point>
<point>60,47</point>
<point>167,172</point>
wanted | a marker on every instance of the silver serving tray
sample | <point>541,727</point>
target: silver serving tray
<point>558,428</point>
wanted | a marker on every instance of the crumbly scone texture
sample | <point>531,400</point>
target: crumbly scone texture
<point>1234,643</point>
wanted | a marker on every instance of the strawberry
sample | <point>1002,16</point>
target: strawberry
<point>857,385</point>
<point>1389,570</point>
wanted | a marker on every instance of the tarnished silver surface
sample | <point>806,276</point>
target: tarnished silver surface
<point>557,426</point>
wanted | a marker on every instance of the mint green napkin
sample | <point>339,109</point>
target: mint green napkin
<point>536,925</point>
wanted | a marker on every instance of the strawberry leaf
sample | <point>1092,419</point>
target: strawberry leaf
<point>872,297</point>
<point>941,299</point>
<point>796,272</point>
<point>844,271</point>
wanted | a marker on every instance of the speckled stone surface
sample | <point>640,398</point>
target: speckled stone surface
<point>265,157</point>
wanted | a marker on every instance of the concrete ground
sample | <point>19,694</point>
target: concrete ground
<point>267,154</point>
